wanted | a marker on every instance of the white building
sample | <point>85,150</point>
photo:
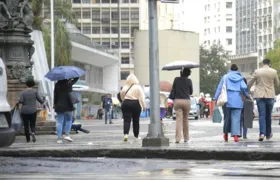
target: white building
<point>219,24</point>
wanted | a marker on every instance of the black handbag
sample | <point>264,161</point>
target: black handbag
<point>172,94</point>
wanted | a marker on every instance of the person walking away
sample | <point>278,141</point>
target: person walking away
<point>28,99</point>
<point>183,89</point>
<point>107,106</point>
<point>148,106</point>
<point>266,80</point>
<point>133,98</point>
<point>64,107</point>
<point>163,106</point>
<point>235,87</point>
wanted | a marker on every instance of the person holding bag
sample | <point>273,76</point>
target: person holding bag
<point>133,103</point>
<point>28,99</point>
<point>64,106</point>
<point>234,84</point>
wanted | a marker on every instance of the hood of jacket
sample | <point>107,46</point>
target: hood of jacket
<point>233,81</point>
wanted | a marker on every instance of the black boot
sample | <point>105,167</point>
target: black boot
<point>84,131</point>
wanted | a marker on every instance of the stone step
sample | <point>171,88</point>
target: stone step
<point>45,128</point>
<point>46,123</point>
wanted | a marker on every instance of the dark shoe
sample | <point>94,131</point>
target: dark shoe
<point>226,137</point>
<point>261,137</point>
<point>268,138</point>
<point>111,122</point>
<point>33,137</point>
<point>245,137</point>
<point>28,140</point>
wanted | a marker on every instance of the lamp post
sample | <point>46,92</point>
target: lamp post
<point>119,40</point>
<point>52,55</point>
<point>155,135</point>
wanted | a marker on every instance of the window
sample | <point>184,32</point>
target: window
<point>208,30</point>
<point>260,52</point>
<point>229,41</point>
<point>124,75</point>
<point>86,1</point>
<point>125,15</point>
<point>125,30</point>
<point>205,7</point>
<point>229,29</point>
<point>270,10</point>
<point>265,11</point>
<point>269,24</point>
<point>115,15</point>
<point>96,30</point>
<point>105,30</point>
<point>260,12</point>
<point>106,14</point>
<point>78,14</point>
<point>125,1</point>
<point>260,25</point>
<point>105,1</point>
<point>125,45</point>
<point>229,4</point>
<point>86,14</point>
<point>134,15</point>
<point>218,29</point>
<point>133,1</point>
<point>270,37</point>
<point>76,1</point>
<point>260,39</point>
<point>95,14</point>
<point>229,19</point>
<point>86,30</point>
<point>133,29</point>
<point>95,1</point>
<point>114,30</point>
<point>106,44</point>
<point>125,60</point>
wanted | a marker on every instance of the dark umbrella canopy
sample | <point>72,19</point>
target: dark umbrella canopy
<point>64,72</point>
<point>179,65</point>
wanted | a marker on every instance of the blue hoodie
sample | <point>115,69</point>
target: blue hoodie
<point>235,88</point>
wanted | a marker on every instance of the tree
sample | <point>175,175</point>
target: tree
<point>63,14</point>
<point>274,57</point>
<point>212,68</point>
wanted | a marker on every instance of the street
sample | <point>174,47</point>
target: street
<point>149,169</point>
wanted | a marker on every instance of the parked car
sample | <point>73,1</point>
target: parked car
<point>194,111</point>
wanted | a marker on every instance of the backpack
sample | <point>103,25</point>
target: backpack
<point>119,97</point>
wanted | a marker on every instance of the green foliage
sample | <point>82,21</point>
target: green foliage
<point>212,68</point>
<point>63,14</point>
<point>274,56</point>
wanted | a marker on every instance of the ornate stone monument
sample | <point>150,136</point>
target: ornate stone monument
<point>16,46</point>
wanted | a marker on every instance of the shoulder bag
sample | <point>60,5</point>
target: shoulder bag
<point>222,99</point>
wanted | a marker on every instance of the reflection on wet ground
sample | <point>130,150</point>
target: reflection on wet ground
<point>106,168</point>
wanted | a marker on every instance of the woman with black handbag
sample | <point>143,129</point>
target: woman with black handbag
<point>64,106</point>
<point>133,103</point>
<point>181,91</point>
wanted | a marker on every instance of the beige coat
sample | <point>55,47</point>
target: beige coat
<point>266,80</point>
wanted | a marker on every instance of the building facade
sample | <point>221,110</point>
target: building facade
<point>174,45</point>
<point>219,24</point>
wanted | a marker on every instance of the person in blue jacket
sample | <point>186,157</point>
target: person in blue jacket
<point>235,86</point>
<point>107,106</point>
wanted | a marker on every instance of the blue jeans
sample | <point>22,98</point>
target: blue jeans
<point>108,115</point>
<point>148,112</point>
<point>60,118</point>
<point>265,106</point>
<point>232,121</point>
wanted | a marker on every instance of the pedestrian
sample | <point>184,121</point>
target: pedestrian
<point>100,114</point>
<point>181,92</point>
<point>266,80</point>
<point>163,106</point>
<point>133,98</point>
<point>235,87</point>
<point>148,106</point>
<point>28,99</point>
<point>64,107</point>
<point>107,105</point>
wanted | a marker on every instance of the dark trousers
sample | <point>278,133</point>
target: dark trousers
<point>29,120</point>
<point>131,110</point>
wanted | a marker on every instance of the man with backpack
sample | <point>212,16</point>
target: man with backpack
<point>107,106</point>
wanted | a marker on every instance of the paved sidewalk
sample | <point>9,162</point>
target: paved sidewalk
<point>107,141</point>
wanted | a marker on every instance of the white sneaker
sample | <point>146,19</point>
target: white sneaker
<point>67,138</point>
<point>59,141</point>
<point>125,138</point>
<point>138,138</point>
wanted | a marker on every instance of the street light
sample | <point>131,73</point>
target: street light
<point>52,55</point>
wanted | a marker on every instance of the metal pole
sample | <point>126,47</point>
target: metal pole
<point>52,54</point>
<point>155,136</point>
<point>119,39</point>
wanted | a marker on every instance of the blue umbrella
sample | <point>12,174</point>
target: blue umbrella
<point>64,72</point>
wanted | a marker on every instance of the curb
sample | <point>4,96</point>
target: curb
<point>147,153</point>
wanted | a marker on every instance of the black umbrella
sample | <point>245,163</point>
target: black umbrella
<point>179,65</point>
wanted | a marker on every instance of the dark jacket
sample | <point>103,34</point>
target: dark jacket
<point>62,100</point>
<point>107,103</point>
<point>183,87</point>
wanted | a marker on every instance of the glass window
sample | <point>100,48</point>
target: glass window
<point>105,1</point>
<point>260,39</point>
<point>106,44</point>
<point>86,14</point>
<point>125,30</point>
<point>95,30</point>
<point>86,1</point>
<point>125,45</point>
<point>125,60</point>
<point>124,74</point>
<point>229,41</point>
<point>229,29</point>
<point>133,1</point>
<point>260,12</point>
<point>133,29</point>
<point>78,14</point>
<point>229,19</point>
<point>96,14</point>
<point>76,1</point>
<point>229,4</point>
<point>114,30</point>
<point>105,30</point>
<point>125,15</point>
<point>134,15</point>
<point>86,30</point>
<point>115,15</point>
<point>95,1</point>
<point>265,11</point>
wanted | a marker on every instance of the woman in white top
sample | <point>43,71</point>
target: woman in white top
<point>133,98</point>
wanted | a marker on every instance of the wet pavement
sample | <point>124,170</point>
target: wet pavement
<point>127,169</point>
<point>107,140</point>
